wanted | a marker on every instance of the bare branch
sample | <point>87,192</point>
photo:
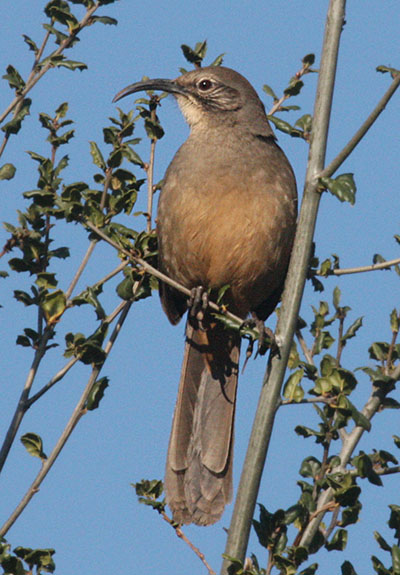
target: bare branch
<point>184,538</point>
<point>22,403</point>
<point>78,412</point>
<point>362,269</point>
<point>358,136</point>
<point>307,352</point>
<point>150,176</point>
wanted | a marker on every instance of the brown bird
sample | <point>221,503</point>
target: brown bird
<point>226,216</point>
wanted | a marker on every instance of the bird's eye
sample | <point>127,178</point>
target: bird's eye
<point>204,85</point>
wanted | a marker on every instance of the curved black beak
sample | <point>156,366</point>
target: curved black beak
<point>157,84</point>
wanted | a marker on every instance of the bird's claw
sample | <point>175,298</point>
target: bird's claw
<point>198,304</point>
<point>266,338</point>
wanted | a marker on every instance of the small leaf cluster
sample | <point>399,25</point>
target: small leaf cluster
<point>343,187</point>
<point>63,27</point>
<point>303,126</point>
<point>331,386</point>
<point>13,562</point>
<point>149,493</point>
<point>197,54</point>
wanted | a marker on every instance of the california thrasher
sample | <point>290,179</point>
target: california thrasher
<point>226,216</point>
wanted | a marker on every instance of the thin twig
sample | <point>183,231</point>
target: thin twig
<point>309,400</point>
<point>22,403</point>
<point>184,538</point>
<point>156,273</point>
<point>340,345</point>
<point>150,176</point>
<point>390,352</point>
<point>78,412</point>
<point>362,269</point>
<point>358,136</point>
<point>92,244</point>
<point>307,352</point>
<point>275,108</point>
<point>333,522</point>
<point>55,379</point>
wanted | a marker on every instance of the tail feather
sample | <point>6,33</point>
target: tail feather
<point>198,479</point>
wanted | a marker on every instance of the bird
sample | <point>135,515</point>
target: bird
<point>226,219</point>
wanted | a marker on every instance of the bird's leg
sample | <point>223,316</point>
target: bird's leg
<point>266,338</point>
<point>197,304</point>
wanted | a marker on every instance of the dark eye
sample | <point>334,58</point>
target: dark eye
<point>204,85</point>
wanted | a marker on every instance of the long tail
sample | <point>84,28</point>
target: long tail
<point>198,479</point>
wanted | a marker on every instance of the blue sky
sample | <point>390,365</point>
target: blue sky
<point>86,508</point>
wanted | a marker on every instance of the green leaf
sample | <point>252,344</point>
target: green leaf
<point>285,127</point>
<point>396,559</point>
<point>396,440</point>
<point>379,566</point>
<point>132,156</point>
<point>60,12</point>
<point>105,20</point>
<point>352,330</point>
<point>394,520</point>
<point>24,297</point>
<point>62,110</point>
<point>71,65</point>
<point>89,296</point>
<point>268,90</point>
<point>310,467</point>
<point>294,87</point>
<point>218,60</point>
<point>54,305</point>
<point>350,515</point>
<point>60,37</point>
<point>115,159</point>
<point>348,569</point>
<point>336,297</point>
<point>34,445</point>
<point>14,79</point>
<point>46,280</point>
<point>310,570</point>
<point>97,393</point>
<point>382,542</point>
<point>394,319</point>
<point>14,125</point>
<point>379,350</point>
<point>305,123</point>
<point>292,389</point>
<point>365,468</point>
<point>7,172</point>
<point>97,156</point>
<point>153,129</point>
<point>343,187</point>
<point>195,56</point>
<point>359,419</point>
<point>386,69</point>
<point>338,541</point>
<point>308,59</point>
<point>31,44</point>
<point>42,559</point>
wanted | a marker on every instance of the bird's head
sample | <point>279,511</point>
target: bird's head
<point>210,96</point>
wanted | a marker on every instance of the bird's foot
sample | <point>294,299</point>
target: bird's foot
<point>198,304</point>
<point>266,338</point>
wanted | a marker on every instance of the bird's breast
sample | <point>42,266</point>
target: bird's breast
<point>226,224</point>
